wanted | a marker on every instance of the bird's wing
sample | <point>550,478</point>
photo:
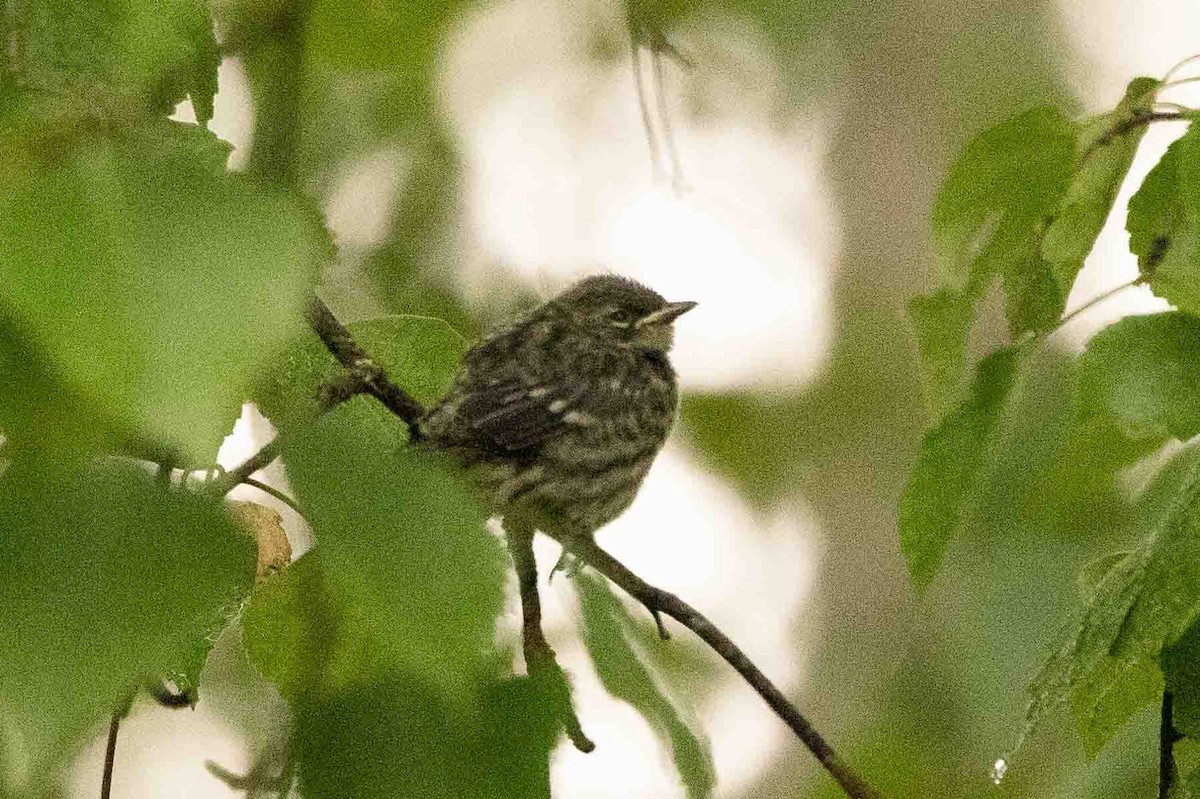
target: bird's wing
<point>514,414</point>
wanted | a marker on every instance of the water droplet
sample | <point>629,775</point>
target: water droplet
<point>999,769</point>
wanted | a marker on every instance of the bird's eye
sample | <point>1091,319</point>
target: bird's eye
<point>621,317</point>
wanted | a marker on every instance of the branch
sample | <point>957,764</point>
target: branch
<point>339,342</point>
<point>540,660</point>
<point>1167,736</point>
<point>110,756</point>
<point>365,374</point>
<point>657,600</point>
<point>1136,120</point>
<point>259,460</point>
<point>110,749</point>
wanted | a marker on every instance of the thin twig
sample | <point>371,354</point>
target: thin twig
<point>110,749</point>
<point>1167,736</point>
<point>259,460</point>
<point>272,491</point>
<point>678,184</point>
<point>657,600</point>
<point>643,106</point>
<point>374,381</point>
<point>540,660</point>
<point>110,756</point>
<point>1178,66</point>
<point>1094,301</point>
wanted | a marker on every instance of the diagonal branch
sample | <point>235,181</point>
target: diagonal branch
<point>658,601</point>
<point>368,374</point>
<point>378,384</point>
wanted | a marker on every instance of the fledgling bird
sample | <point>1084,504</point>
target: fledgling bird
<point>559,414</point>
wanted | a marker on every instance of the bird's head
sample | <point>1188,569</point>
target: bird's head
<point>620,309</point>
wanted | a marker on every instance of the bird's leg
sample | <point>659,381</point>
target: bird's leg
<point>567,563</point>
<point>540,661</point>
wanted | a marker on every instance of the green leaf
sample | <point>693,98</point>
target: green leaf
<point>397,738</point>
<point>420,354</point>
<point>403,544</point>
<point>1107,667</point>
<point>1095,571</point>
<point>946,475</point>
<point>1181,673</point>
<point>360,34</point>
<point>1158,219</point>
<point>942,322</point>
<point>103,54</point>
<point>989,214</point>
<point>625,676</point>
<point>1104,163</point>
<point>1176,275</point>
<point>1164,224</point>
<point>106,577</point>
<point>1145,371</point>
<point>152,282</point>
<point>290,628</point>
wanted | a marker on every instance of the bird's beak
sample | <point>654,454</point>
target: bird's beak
<point>666,314</point>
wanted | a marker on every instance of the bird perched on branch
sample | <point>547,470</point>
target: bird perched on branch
<point>560,413</point>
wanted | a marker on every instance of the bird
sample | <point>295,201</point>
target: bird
<point>558,414</point>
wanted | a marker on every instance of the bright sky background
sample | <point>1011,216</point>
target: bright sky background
<point>558,185</point>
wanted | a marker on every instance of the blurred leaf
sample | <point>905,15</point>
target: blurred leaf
<point>626,677</point>
<point>408,270</point>
<point>1181,673</point>
<point>1107,667</point>
<point>942,322</point>
<point>1109,694</point>
<point>1104,163</point>
<point>397,738</point>
<point>420,354</point>
<point>946,474</point>
<point>288,627</point>
<point>401,38</point>
<point>153,282</point>
<point>1094,572</point>
<point>106,577</point>
<point>113,51</point>
<point>403,544</point>
<point>989,214</point>
<point>1145,371</point>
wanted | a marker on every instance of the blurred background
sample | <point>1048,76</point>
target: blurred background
<point>475,158</point>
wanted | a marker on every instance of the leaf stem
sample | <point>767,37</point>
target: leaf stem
<point>110,748</point>
<point>1178,66</point>
<point>272,491</point>
<point>110,756</point>
<point>1093,302</point>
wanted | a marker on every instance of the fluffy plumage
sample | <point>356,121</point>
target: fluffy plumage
<point>560,413</point>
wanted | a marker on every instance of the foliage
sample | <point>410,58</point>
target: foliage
<point>1022,204</point>
<point>146,292</point>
